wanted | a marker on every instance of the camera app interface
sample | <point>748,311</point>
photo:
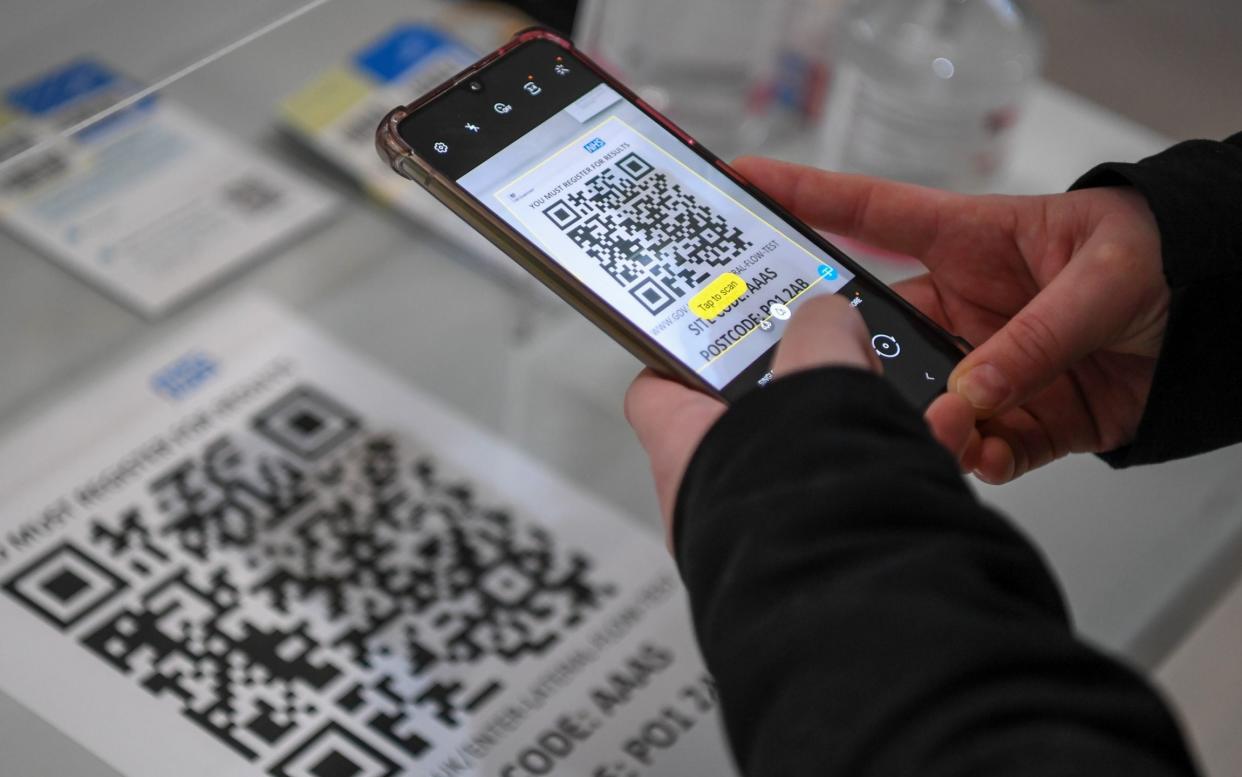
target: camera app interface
<point>656,231</point>
<point>633,213</point>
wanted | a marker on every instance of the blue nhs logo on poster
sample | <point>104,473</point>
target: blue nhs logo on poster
<point>594,144</point>
<point>184,375</point>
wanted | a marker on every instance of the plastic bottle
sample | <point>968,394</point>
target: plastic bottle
<point>928,91</point>
<point>806,58</point>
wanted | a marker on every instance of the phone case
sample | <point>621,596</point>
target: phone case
<point>407,163</point>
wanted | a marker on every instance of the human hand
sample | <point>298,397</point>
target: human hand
<point>671,419</point>
<point>1063,295</point>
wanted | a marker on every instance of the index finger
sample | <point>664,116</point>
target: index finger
<point>894,216</point>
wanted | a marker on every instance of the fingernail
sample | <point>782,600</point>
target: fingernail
<point>984,387</point>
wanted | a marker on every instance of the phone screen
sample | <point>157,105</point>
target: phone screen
<point>650,225</point>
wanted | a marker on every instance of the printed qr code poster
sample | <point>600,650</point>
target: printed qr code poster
<point>253,553</point>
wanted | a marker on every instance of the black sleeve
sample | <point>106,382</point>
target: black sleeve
<point>863,614</point>
<point>1195,191</point>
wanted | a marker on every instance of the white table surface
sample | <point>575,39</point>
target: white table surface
<point>1139,552</point>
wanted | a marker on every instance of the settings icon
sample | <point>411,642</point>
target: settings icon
<point>441,147</point>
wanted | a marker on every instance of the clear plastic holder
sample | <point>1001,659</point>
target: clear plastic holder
<point>153,43</point>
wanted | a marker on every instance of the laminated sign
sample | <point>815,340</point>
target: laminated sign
<point>249,552</point>
<point>151,203</point>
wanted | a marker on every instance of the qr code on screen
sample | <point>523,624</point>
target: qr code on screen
<point>647,232</point>
<point>320,598</point>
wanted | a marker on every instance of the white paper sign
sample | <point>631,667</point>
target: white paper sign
<point>153,203</point>
<point>252,553</point>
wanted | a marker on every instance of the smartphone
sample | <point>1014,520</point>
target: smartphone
<point>628,219</point>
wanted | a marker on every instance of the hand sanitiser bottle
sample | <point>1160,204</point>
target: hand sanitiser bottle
<point>928,91</point>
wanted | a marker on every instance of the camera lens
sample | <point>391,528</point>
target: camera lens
<point>476,86</point>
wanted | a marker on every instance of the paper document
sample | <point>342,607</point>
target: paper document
<point>250,552</point>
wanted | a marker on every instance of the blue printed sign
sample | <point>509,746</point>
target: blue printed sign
<point>390,57</point>
<point>60,87</point>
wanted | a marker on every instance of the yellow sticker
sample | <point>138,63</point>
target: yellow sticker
<point>324,100</point>
<point>718,295</point>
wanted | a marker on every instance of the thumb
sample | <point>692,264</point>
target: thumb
<point>1068,320</point>
<point>825,331</point>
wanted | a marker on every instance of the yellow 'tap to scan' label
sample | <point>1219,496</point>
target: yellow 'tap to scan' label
<point>718,295</point>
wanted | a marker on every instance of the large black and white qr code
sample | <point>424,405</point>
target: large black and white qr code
<point>647,231</point>
<point>320,597</point>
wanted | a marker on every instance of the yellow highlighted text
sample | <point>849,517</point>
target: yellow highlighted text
<point>718,295</point>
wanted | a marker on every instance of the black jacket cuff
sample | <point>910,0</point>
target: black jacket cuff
<point>1194,190</point>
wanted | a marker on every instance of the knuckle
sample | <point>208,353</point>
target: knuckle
<point>1116,259</point>
<point>1034,341</point>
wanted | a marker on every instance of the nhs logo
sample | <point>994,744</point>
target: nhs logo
<point>595,144</point>
<point>185,375</point>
